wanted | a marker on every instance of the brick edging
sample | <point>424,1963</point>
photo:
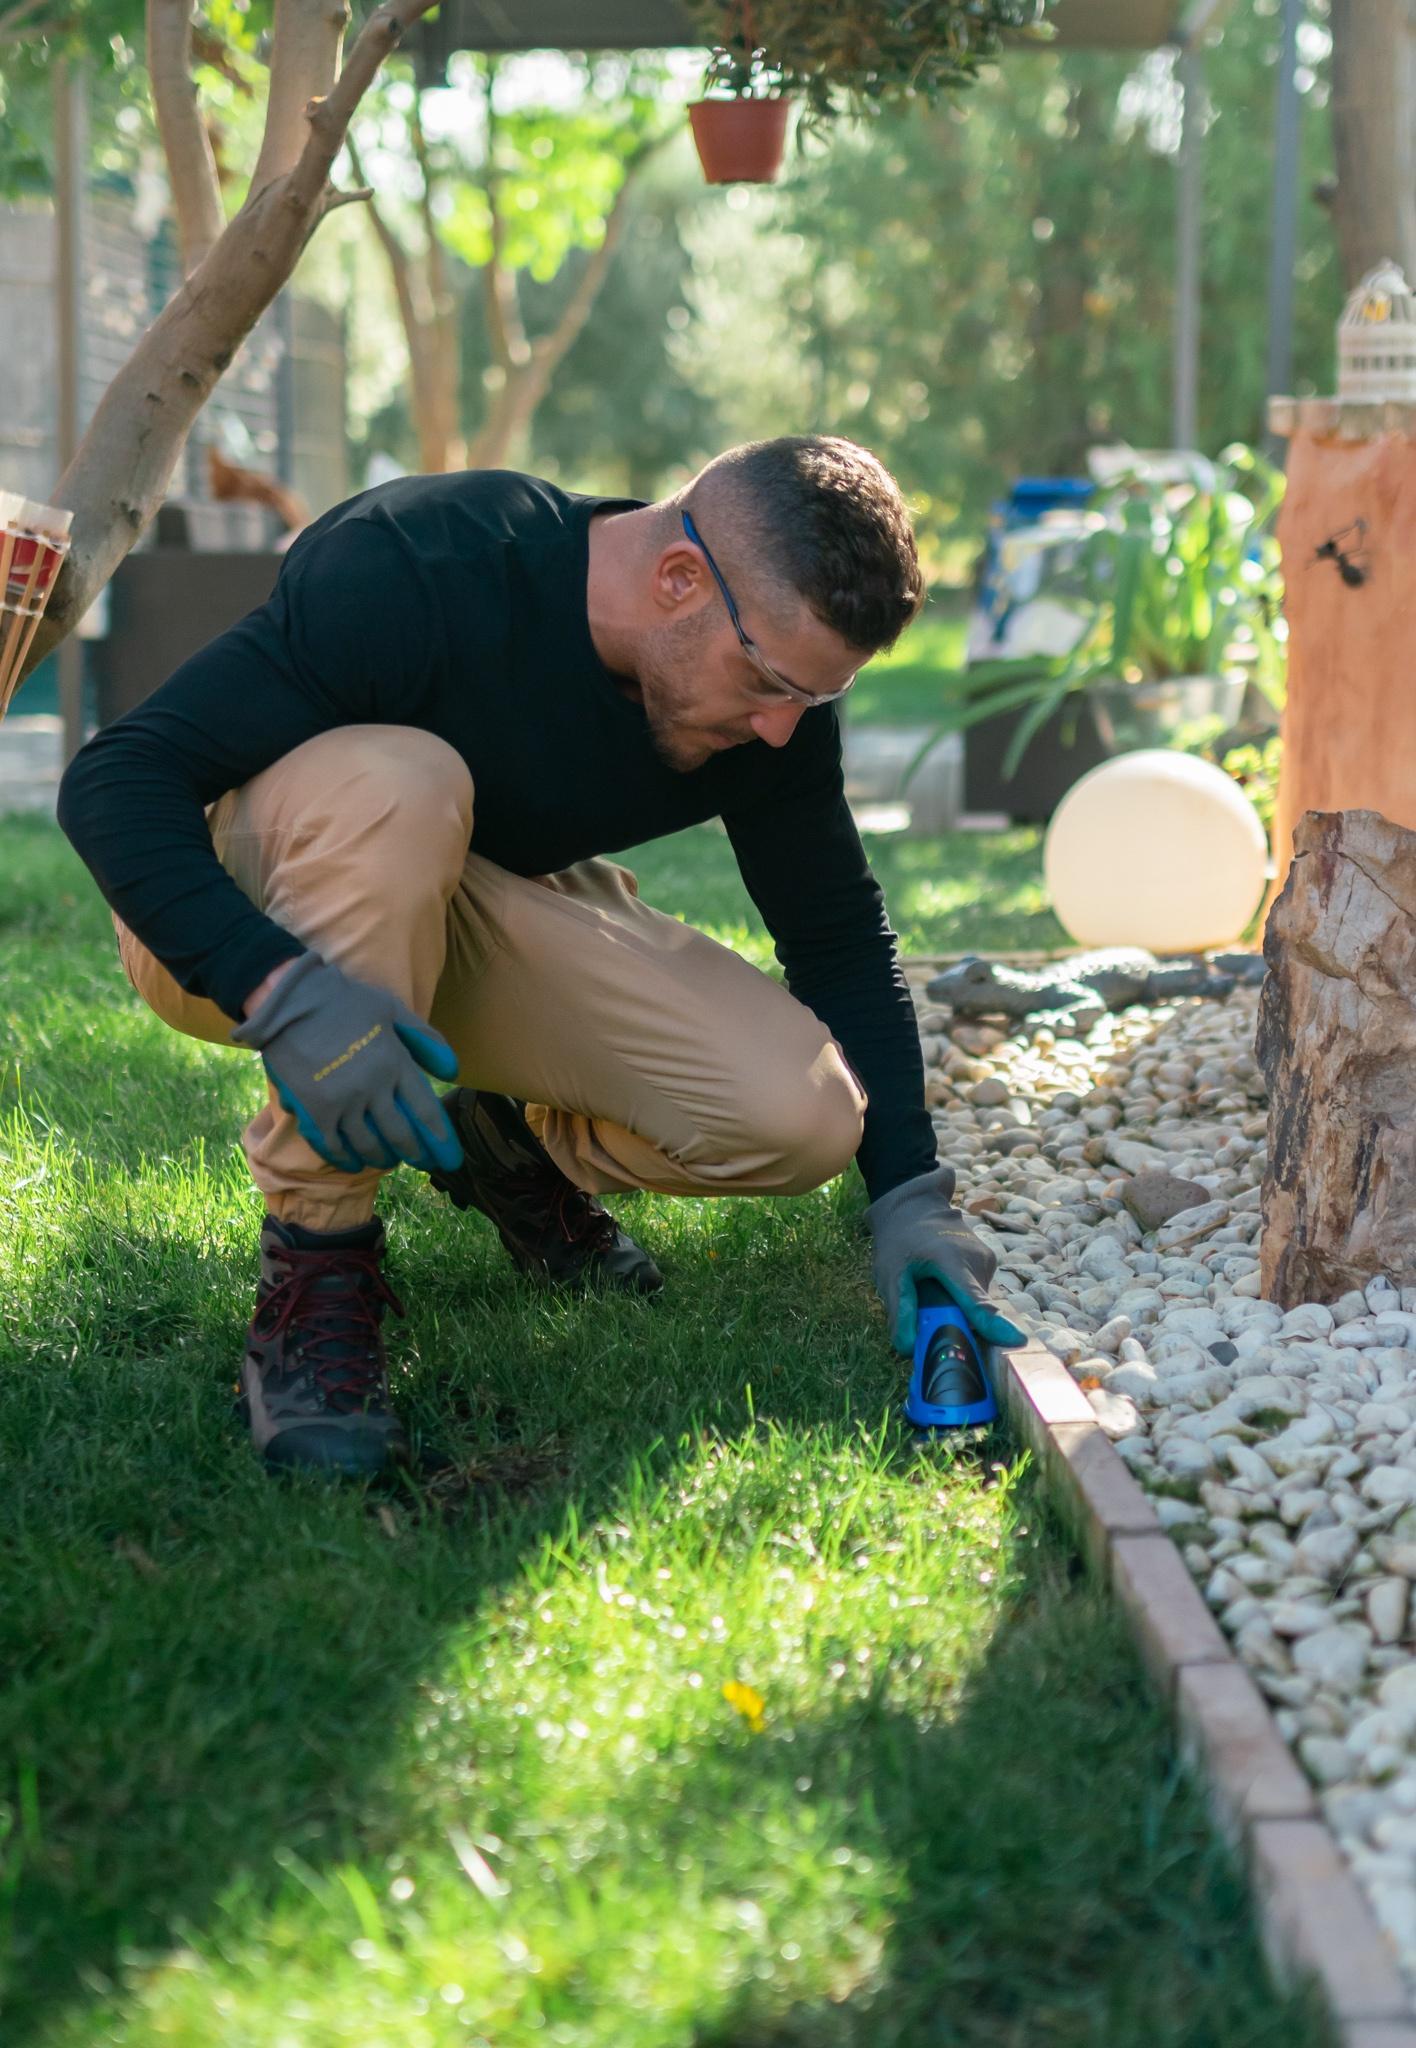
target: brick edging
<point>1312,1914</point>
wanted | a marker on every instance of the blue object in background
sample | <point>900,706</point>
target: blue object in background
<point>1025,504</point>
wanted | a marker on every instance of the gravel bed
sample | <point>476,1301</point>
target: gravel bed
<point>1280,1449</point>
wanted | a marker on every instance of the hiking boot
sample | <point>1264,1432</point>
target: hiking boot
<point>315,1374</point>
<point>553,1229</point>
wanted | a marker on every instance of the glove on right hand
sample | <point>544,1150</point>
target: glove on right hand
<point>344,1059</point>
<point>920,1235</point>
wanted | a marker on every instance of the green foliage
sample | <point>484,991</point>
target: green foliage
<point>1176,580</point>
<point>104,37</point>
<point>987,289</point>
<point>557,169</point>
<point>856,56</point>
<point>1185,579</point>
<point>1255,769</point>
<point>106,40</point>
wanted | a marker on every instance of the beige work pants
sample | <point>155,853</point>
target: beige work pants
<point>650,1056</point>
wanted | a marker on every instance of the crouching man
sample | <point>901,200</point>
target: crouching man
<point>361,835</point>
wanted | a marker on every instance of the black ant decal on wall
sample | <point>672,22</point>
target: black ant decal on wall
<point>1350,565</point>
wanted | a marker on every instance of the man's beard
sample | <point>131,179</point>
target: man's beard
<point>669,659</point>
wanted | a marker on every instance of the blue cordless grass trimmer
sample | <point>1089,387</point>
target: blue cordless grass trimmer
<point>949,1383</point>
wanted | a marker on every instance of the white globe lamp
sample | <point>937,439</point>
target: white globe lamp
<point>1155,849</point>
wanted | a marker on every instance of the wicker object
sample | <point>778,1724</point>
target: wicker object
<point>34,540</point>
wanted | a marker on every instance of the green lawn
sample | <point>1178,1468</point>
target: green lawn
<point>288,1767</point>
<point>979,891</point>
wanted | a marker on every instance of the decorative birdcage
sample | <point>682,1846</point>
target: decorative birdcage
<point>1376,339</point>
<point>34,540</point>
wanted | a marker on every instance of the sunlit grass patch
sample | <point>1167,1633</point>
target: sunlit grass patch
<point>680,1700</point>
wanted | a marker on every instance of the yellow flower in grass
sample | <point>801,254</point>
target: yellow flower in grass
<point>748,1703</point>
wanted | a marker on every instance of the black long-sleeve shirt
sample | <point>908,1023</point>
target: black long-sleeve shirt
<point>457,605</point>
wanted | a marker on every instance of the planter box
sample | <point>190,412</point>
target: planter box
<point>1095,726</point>
<point>1059,753</point>
<point>167,603</point>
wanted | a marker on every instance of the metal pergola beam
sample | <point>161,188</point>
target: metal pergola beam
<point>507,25</point>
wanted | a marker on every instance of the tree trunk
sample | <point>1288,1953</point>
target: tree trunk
<point>529,366</point>
<point>1374,133</point>
<point>120,474</point>
<point>509,417</point>
<point>429,317</point>
<point>186,145</point>
<point>1059,324</point>
<point>1337,1043</point>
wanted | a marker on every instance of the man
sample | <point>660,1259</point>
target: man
<point>359,834</point>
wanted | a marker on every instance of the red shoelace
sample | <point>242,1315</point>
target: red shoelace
<point>548,1201</point>
<point>334,1299</point>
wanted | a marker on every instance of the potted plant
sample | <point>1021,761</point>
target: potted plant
<point>837,57</point>
<point>740,125</point>
<point>1178,597</point>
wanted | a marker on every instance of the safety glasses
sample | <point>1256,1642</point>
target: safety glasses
<point>781,690</point>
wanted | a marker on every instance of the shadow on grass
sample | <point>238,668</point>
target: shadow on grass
<point>207,1677</point>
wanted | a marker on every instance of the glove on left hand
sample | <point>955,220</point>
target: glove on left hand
<point>918,1233</point>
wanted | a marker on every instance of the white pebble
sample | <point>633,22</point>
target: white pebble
<point>1309,1319</point>
<point>1116,1412</point>
<point>1326,1758</point>
<point>1334,1656</point>
<point>1386,1606</point>
<point>1327,1552</point>
<point>1389,1485</point>
<point>1112,1334</point>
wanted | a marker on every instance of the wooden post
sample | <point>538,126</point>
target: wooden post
<point>1349,727</point>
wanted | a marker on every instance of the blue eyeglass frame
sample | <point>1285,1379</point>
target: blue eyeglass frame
<point>759,661</point>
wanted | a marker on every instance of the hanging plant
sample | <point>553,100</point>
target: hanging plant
<point>853,56</point>
<point>740,125</point>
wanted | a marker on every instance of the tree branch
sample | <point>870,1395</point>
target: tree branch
<point>191,162</point>
<point>400,264</point>
<point>361,195</point>
<point>431,337</point>
<point>304,62</point>
<point>506,330</point>
<point>124,463</point>
<point>551,349</point>
<point>436,261</point>
<point>527,383</point>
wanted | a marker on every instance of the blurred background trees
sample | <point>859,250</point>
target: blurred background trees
<point>976,291</point>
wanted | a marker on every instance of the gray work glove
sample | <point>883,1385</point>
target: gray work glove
<point>919,1235</point>
<point>346,1060</point>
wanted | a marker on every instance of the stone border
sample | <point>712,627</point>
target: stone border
<point>1313,1917</point>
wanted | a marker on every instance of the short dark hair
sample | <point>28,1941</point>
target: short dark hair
<point>825,518</point>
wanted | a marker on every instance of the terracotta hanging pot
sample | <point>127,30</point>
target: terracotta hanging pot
<point>740,141</point>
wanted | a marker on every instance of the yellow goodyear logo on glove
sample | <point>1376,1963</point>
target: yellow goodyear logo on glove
<point>348,1054</point>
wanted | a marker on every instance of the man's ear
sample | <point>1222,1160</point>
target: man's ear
<point>678,579</point>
